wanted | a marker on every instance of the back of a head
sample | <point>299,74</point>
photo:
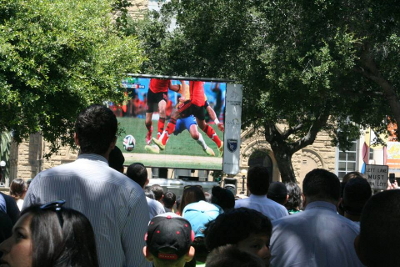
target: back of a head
<point>348,177</point>
<point>236,225</point>
<point>321,185</point>
<point>294,200</point>
<point>61,238</point>
<point>277,192</point>
<point>223,198</point>
<point>231,256</point>
<point>168,239</point>
<point>258,180</point>
<point>351,175</point>
<point>158,191</point>
<point>18,188</point>
<point>379,230</point>
<point>169,199</point>
<point>149,193</point>
<point>191,195</point>
<point>116,159</point>
<point>138,173</point>
<point>96,128</point>
<point>356,193</point>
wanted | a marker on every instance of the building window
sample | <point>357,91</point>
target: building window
<point>347,161</point>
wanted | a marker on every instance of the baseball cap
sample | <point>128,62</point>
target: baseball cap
<point>199,214</point>
<point>169,236</point>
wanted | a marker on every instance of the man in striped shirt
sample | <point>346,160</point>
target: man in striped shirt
<point>115,205</point>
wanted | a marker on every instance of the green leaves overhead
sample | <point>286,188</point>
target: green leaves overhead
<point>57,57</point>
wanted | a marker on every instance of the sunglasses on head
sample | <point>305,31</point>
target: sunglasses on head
<point>56,207</point>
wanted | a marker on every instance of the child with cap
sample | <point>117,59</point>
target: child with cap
<point>168,241</point>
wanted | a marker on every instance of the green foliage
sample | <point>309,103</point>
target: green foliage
<point>5,147</point>
<point>57,57</point>
<point>313,65</point>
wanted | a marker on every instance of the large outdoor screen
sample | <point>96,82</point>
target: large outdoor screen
<point>181,150</point>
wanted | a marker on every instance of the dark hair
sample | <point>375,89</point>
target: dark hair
<point>348,177</point>
<point>158,191</point>
<point>73,244</point>
<point>148,193</point>
<point>234,226</point>
<point>138,173</point>
<point>258,180</point>
<point>294,200</point>
<point>277,192</point>
<point>169,199</point>
<point>320,184</point>
<point>18,188</point>
<point>356,193</point>
<point>223,198</point>
<point>190,195</point>
<point>116,159</point>
<point>233,257</point>
<point>96,128</point>
<point>379,229</point>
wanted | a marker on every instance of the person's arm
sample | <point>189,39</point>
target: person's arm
<point>134,230</point>
<point>175,87</point>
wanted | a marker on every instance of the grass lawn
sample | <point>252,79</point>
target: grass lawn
<point>181,150</point>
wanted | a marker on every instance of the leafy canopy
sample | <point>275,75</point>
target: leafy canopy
<point>57,57</point>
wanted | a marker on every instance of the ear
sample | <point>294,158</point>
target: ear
<point>339,202</point>
<point>358,250</point>
<point>113,143</point>
<point>286,200</point>
<point>147,254</point>
<point>147,182</point>
<point>76,139</point>
<point>189,256</point>
<point>304,200</point>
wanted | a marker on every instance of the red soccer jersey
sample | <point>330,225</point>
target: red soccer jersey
<point>197,93</point>
<point>159,85</point>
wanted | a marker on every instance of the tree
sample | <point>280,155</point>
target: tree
<point>309,65</point>
<point>57,57</point>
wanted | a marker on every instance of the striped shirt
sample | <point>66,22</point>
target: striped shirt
<point>115,205</point>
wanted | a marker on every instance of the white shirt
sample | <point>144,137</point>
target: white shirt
<point>266,206</point>
<point>155,207</point>
<point>20,203</point>
<point>316,237</point>
<point>115,205</point>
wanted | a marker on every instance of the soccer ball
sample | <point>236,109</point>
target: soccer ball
<point>129,142</point>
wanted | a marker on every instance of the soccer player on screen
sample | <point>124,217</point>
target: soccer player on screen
<point>195,106</point>
<point>157,98</point>
<point>189,124</point>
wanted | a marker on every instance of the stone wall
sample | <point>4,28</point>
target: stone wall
<point>27,159</point>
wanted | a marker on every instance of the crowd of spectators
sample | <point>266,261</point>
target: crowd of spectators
<point>92,213</point>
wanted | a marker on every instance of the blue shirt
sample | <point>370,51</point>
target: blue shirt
<point>316,237</point>
<point>266,206</point>
<point>115,205</point>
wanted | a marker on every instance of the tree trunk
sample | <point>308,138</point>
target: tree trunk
<point>282,152</point>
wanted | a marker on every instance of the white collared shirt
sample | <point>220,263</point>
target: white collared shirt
<point>316,237</point>
<point>266,206</point>
<point>115,205</point>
